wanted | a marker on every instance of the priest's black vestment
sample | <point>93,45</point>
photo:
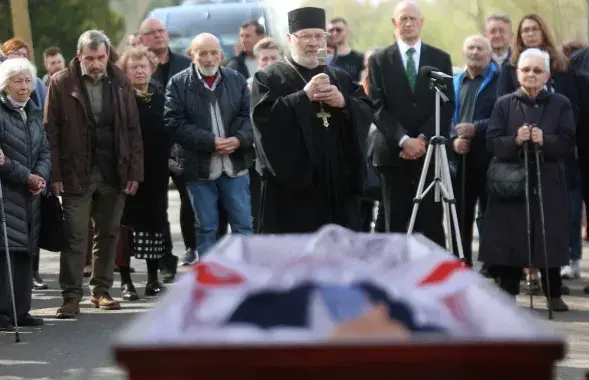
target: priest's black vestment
<point>313,175</point>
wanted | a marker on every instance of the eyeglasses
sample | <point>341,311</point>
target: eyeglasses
<point>335,30</point>
<point>309,37</point>
<point>535,70</point>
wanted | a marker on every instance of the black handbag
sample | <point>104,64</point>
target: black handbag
<point>506,180</point>
<point>51,237</point>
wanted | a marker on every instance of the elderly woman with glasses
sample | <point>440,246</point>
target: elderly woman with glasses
<point>26,167</point>
<point>543,120</point>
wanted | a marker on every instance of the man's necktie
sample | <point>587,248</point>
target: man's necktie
<point>411,70</point>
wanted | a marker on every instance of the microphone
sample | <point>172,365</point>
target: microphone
<point>322,56</point>
<point>434,73</point>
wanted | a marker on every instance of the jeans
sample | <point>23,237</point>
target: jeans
<point>234,194</point>
<point>576,201</point>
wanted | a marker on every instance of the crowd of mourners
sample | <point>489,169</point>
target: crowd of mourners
<point>267,142</point>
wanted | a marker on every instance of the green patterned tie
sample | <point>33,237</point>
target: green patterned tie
<point>411,70</point>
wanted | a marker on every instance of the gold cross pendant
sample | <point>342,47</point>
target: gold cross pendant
<point>325,116</point>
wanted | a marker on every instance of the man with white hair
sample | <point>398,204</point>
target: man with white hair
<point>97,153</point>
<point>476,94</point>
<point>207,114</point>
<point>311,124</point>
<point>406,119</point>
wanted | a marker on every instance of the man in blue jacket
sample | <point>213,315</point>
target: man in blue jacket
<point>476,93</point>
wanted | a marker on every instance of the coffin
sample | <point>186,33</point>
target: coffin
<point>199,330</point>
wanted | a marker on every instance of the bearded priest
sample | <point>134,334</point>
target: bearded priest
<point>310,127</point>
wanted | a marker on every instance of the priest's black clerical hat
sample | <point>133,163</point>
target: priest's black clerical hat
<point>306,18</point>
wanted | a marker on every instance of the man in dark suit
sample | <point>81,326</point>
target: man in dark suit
<point>406,120</point>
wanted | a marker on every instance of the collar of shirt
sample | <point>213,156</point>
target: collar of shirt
<point>202,79</point>
<point>483,74</point>
<point>403,47</point>
<point>500,58</point>
<point>85,74</point>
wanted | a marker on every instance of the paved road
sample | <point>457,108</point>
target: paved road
<point>80,349</point>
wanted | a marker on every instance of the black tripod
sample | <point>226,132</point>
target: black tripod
<point>542,219</point>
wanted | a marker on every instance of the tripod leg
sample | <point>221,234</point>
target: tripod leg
<point>449,195</point>
<point>419,193</point>
<point>447,222</point>
<point>543,227</point>
<point>528,221</point>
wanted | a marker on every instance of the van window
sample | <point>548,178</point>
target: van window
<point>179,44</point>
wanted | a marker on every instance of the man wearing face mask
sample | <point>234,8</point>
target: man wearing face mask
<point>311,124</point>
<point>475,93</point>
<point>207,114</point>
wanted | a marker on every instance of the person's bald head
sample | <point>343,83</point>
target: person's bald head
<point>154,35</point>
<point>408,21</point>
<point>477,51</point>
<point>206,53</point>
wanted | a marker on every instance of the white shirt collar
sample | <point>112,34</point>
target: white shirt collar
<point>403,47</point>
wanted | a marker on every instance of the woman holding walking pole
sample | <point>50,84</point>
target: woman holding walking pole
<point>528,226</point>
<point>26,167</point>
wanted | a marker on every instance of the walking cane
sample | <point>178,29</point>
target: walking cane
<point>8,265</point>
<point>463,198</point>
<point>543,226</point>
<point>528,221</point>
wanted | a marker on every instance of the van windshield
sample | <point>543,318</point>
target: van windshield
<point>179,44</point>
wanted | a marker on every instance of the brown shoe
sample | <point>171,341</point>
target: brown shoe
<point>105,301</point>
<point>69,309</point>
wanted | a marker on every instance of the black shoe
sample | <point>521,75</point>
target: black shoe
<point>558,304</point>
<point>28,320</point>
<point>6,323</point>
<point>154,288</point>
<point>129,292</point>
<point>38,283</point>
<point>190,257</point>
<point>168,268</point>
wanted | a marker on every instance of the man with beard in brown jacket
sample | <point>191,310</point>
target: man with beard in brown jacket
<point>97,153</point>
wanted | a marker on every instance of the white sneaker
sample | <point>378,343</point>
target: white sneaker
<point>576,268</point>
<point>571,271</point>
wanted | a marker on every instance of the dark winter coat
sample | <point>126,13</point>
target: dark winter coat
<point>504,238</point>
<point>26,151</point>
<point>147,209</point>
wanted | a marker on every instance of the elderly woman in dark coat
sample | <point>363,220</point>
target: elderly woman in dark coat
<point>531,115</point>
<point>146,212</point>
<point>26,166</point>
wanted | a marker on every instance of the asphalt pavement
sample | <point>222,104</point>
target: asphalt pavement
<point>81,348</point>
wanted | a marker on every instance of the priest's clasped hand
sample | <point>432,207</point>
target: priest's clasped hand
<point>316,85</point>
<point>226,146</point>
<point>331,96</point>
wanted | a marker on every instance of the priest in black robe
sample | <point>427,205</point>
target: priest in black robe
<point>310,122</point>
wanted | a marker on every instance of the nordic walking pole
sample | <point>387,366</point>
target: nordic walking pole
<point>528,221</point>
<point>8,265</point>
<point>543,226</point>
